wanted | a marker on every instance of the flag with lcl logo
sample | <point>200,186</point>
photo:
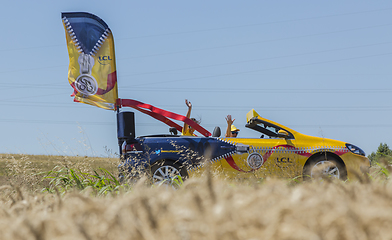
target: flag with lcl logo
<point>92,65</point>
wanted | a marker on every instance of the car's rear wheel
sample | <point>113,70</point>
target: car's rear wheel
<point>325,166</point>
<point>167,173</point>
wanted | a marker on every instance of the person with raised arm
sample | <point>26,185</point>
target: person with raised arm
<point>231,130</point>
<point>188,130</point>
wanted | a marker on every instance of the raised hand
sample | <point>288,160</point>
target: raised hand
<point>188,103</point>
<point>229,120</point>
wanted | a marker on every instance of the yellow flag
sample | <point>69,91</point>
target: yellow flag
<point>92,64</point>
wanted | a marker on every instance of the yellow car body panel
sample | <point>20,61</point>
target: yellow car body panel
<point>284,156</point>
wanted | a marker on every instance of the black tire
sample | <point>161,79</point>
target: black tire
<point>165,173</point>
<point>324,166</point>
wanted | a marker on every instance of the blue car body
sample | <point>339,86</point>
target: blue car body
<point>143,152</point>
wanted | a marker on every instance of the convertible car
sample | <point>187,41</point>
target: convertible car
<point>280,152</point>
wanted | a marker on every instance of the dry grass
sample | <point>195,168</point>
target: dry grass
<point>22,170</point>
<point>204,208</point>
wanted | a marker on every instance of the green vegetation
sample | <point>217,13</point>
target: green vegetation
<point>383,154</point>
<point>63,179</point>
<point>37,172</point>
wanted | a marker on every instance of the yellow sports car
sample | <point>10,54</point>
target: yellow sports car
<point>280,151</point>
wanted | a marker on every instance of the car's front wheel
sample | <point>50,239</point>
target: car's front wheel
<point>325,166</point>
<point>168,173</point>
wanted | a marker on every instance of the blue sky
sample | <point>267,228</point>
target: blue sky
<point>319,67</point>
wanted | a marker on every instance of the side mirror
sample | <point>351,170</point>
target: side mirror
<point>173,130</point>
<point>283,134</point>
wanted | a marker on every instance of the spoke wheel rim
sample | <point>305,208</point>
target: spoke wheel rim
<point>325,169</point>
<point>165,175</point>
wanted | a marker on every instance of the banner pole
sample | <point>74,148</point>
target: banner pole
<point>119,141</point>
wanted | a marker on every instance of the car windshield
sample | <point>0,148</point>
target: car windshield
<point>267,129</point>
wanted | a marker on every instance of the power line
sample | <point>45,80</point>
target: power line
<point>258,90</point>
<point>27,97</point>
<point>225,108</point>
<point>216,29</point>
<point>234,45</point>
<point>261,70</point>
<point>113,123</point>
<point>209,90</point>
<point>256,60</point>
<point>33,69</point>
<point>34,121</point>
<point>260,24</point>
<point>258,42</point>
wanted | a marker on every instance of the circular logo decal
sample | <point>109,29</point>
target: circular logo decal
<point>255,160</point>
<point>86,84</point>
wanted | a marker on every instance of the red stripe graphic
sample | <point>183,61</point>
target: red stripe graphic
<point>111,82</point>
<point>232,163</point>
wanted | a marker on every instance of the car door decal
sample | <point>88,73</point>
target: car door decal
<point>232,163</point>
<point>303,152</point>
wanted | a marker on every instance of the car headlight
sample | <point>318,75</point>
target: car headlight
<point>355,149</point>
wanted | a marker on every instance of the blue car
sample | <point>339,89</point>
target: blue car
<point>167,156</point>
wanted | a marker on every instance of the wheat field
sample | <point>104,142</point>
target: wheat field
<point>202,208</point>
